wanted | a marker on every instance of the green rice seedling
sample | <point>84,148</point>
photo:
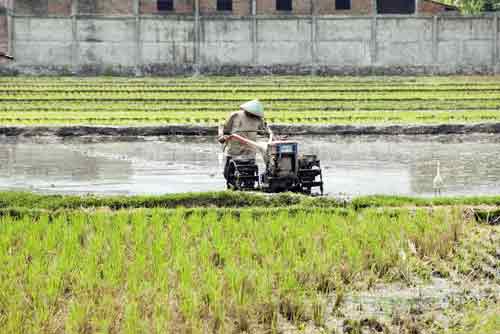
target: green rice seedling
<point>21,203</point>
<point>427,100</point>
<point>198,270</point>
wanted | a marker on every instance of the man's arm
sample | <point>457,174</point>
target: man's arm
<point>228,126</point>
<point>227,129</point>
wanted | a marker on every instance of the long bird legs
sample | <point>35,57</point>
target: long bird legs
<point>437,183</point>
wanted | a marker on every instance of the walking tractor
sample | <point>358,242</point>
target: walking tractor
<point>286,169</point>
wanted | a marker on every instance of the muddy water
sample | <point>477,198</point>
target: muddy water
<point>360,165</point>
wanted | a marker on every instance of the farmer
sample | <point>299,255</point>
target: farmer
<point>247,122</point>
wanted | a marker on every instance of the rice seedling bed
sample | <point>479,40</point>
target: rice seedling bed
<point>292,88</point>
<point>193,105</point>
<point>226,261</point>
<point>218,270</point>
<point>179,117</point>
<point>208,100</point>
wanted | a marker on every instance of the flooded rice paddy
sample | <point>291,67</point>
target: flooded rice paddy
<point>358,165</point>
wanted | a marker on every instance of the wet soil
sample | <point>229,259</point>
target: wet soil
<point>440,304</point>
<point>392,308</point>
<point>286,129</point>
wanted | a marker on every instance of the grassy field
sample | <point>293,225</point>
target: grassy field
<point>208,100</point>
<point>230,199</point>
<point>230,262</point>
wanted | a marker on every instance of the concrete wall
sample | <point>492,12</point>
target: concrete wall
<point>42,41</point>
<point>226,42</point>
<point>5,7</point>
<point>261,44</point>
<point>284,42</point>
<point>167,42</point>
<point>106,41</point>
<point>4,34</point>
<point>344,42</point>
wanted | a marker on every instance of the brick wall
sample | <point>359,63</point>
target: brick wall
<point>361,7</point>
<point>180,7</point>
<point>207,7</point>
<point>31,7</point>
<point>432,7</point>
<point>264,7</point>
<point>59,7</point>
<point>42,7</point>
<point>6,3</point>
<point>321,7</point>
<point>106,7</point>
<point>240,7</point>
<point>299,7</point>
<point>357,7</point>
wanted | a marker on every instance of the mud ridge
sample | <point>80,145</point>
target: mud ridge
<point>284,129</point>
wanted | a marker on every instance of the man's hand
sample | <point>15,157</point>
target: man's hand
<point>222,139</point>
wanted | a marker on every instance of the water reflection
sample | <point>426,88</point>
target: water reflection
<point>470,164</point>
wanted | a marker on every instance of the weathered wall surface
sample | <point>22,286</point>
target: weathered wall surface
<point>106,42</point>
<point>470,42</point>
<point>404,42</point>
<point>166,43</point>
<point>262,44</point>
<point>284,42</point>
<point>5,6</point>
<point>344,42</point>
<point>3,35</point>
<point>235,48</point>
<point>42,42</point>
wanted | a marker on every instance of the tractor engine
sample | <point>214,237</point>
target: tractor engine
<point>281,166</point>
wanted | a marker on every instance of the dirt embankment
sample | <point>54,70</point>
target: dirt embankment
<point>285,129</point>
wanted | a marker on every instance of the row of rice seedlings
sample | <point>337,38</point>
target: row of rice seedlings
<point>229,199</point>
<point>455,89</point>
<point>193,105</point>
<point>160,111</point>
<point>469,100</point>
<point>163,271</point>
<point>387,117</point>
<point>242,95</point>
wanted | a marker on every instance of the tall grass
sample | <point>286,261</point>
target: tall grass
<point>202,270</point>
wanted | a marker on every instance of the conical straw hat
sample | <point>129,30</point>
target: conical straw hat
<point>254,107</point>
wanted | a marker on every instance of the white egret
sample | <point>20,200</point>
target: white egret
<point>438,182</point>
